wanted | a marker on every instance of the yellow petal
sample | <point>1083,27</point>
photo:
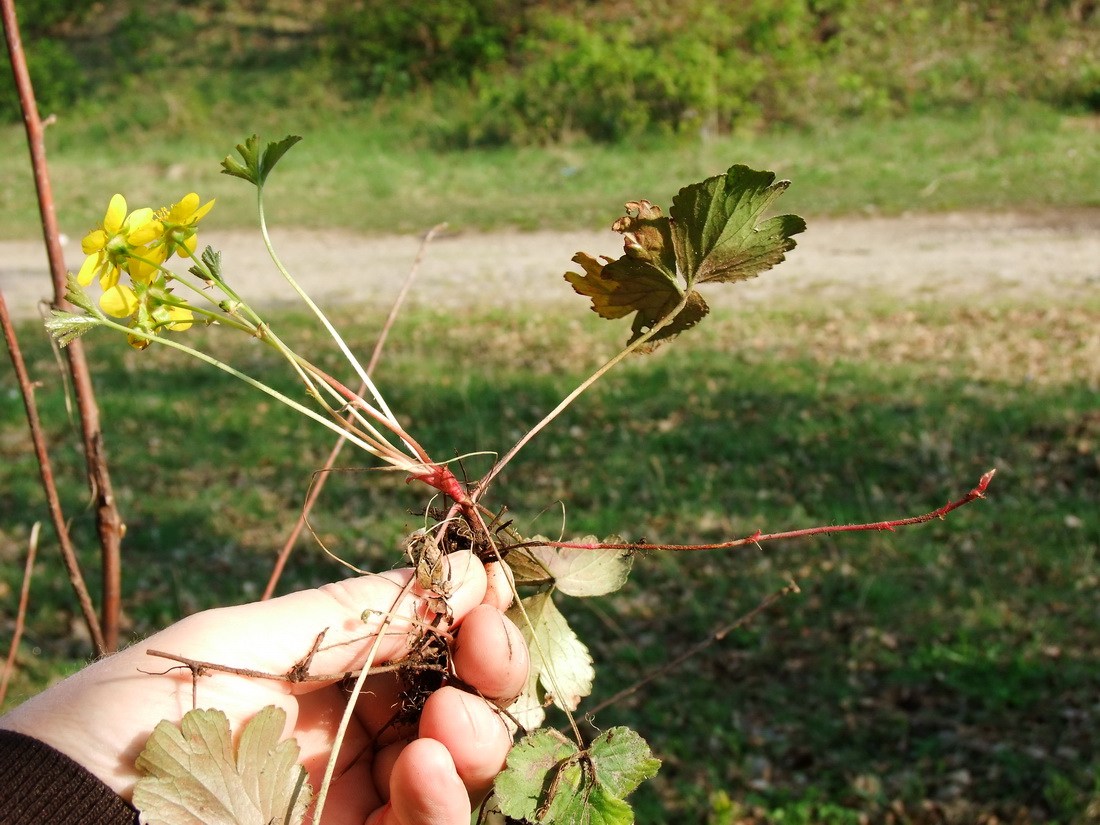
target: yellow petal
<point>181,318</point>
<point>154,254</point>
<point>138,219</point>
<point>116,214</point>
<point>119,301</point>
<point>108,277</point>
<point>182,210</point>
<point>88,270</point>
<point>146,232</point>
<point>94,241</point>
<point>141,271</point>
<point>137,343</point>
<point>200,213</point>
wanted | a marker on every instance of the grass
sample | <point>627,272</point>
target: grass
<point>1005,157</point>
<point>942,673</point>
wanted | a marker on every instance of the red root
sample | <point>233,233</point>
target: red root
<point>443,480</point>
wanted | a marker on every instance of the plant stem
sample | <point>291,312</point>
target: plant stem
<point>495,470</point>
<point>108,520</point>
<point>353,702</point>
<point>49,486</point>
<point>758,537</point>
<point>345,351</point>
<point>248,379</point>
<point>334,453</point>
<point>20,612</point>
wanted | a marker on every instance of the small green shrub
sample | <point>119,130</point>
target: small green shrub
<point>55,73</point>
<point>572,80</point>
<point>491,72</point>
<point>381,47</point>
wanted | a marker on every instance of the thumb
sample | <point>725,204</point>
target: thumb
<point>277,636</point>
<point>102,715</point>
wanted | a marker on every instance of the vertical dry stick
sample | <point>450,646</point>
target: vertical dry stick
<point>315,490</point>
<point>108,521</point>
<point>21,613</point>
<point>68,553</point>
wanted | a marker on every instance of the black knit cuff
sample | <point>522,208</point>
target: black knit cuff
<point>42,786</point>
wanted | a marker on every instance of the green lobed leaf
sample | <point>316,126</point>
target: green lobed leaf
<point>274,153</point>
<point>194,776</point>
<point>715,231</point>
<point>574,571</point>
<point>581,803</point>
<point>521,787</point>
<point>65,327</point>
<point>623,760</point>
<point>211,269</point>
<point>547,779</point>
<point>250,170</point>
<point>711,234</point>
<point>257,165</point>
<point>561,667</point>
<point>75,295</point>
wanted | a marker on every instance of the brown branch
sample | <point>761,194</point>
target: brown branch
<point>200,668</point>
<point>722,632</point>
<point>299,671</point>
<point>758,537</point>
<point>20,613</point>
<point>108,521</point>
<point>334,453</point>
<point>45,471</point>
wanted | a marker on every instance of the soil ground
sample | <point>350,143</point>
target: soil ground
<point>1040,257</point>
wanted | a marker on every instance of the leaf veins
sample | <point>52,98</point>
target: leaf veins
<point>714,234</point>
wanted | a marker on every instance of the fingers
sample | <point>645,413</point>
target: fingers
<point>501,585</point>
<point>489,657</point>
<point>473,733</point>
<point>425,788</point>
<point>490,654</point>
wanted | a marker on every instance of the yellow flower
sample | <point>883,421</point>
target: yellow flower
<point>152,306</point>
<point>137,244</point>
<point>144,267</point>
<point>119,300</point>
<point>109,247</point>
<point>177,319</point>
<point>179,224</point>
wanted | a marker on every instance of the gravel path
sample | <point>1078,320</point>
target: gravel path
<point>972,258</point>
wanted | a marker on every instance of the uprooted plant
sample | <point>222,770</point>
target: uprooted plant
<point>715,232</point>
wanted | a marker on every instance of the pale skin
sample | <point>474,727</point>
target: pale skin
<point>430,775</point>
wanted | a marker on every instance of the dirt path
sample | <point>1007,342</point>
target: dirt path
<point>1046,256</point>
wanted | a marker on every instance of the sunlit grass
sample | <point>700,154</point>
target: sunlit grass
<point>361,172</point>
<point>906,658</point>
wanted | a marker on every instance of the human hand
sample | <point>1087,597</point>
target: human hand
<point>102,716</point>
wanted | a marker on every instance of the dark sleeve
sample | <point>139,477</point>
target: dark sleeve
<point>42,786</point>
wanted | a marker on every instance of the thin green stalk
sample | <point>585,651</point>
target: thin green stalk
<point>362,373</point>
<point>212,315</point>
<point>495,470</point>
<point>353,703</point>
<point>252,382</point>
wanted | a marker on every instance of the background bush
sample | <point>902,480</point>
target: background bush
<point>475,72</point>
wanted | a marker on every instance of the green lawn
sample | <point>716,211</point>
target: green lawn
<point>946,670</point>
<point>353,171</point>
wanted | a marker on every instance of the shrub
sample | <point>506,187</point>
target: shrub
<point>57,77</point>
<point>385,47</point>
